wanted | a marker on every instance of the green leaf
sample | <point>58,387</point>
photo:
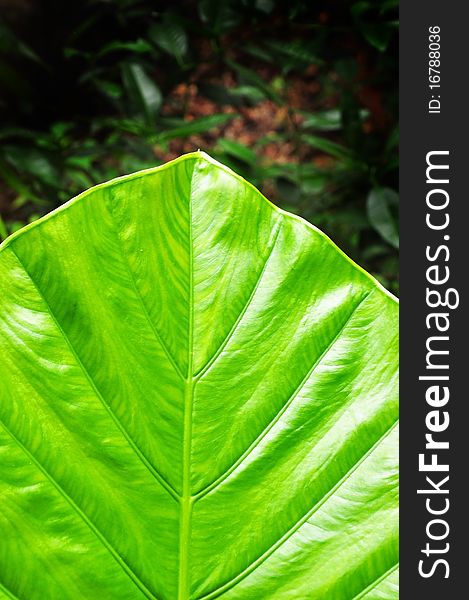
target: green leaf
<point>138,46</point>
<point>238,150</point>
<point>142,90</point>
<point>187,128</point>
<point>332,148</point>
<point>393,140</point>
<point>9,176</point>
<point>171,38</point>
<point>111,90</point>
<point>265,6</point>
<point>381,204</point>
<point>378,34</point>
<point>250,77</point>
<point>327,120</point>
<point>10,43</point>
<point>3,229</point>
<point>219,15</point>
<point>248,92</point>
<point>294,54</point>
<point>258,52</point>
<point>32,161</point>
<point>198,400</point>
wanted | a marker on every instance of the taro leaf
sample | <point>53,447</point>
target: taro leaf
<point>198,400</point>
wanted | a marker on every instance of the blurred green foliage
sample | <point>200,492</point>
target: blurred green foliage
<point>299,97</point>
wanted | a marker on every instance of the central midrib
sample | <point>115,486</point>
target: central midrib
<point>186,500</point>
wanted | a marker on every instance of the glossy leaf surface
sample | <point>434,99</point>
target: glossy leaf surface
<point>198,400</point>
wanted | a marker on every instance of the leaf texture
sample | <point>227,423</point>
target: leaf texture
<point>198,399</point>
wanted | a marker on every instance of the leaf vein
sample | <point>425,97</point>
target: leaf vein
<point>80,512</point>
<point>215,484</point>
<point>238,320</point>
<point>157,476</point>
<point>261,559</point>
<point>153,327</point>
<point>376,582</point>
<point>8,592</point>
<point>186,499</point>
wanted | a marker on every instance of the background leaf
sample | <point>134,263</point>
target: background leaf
<point>382,205</point>
<point>142,90</point>
<point>170,37</point>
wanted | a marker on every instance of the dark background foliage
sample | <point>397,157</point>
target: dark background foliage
<point>299,97</point>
